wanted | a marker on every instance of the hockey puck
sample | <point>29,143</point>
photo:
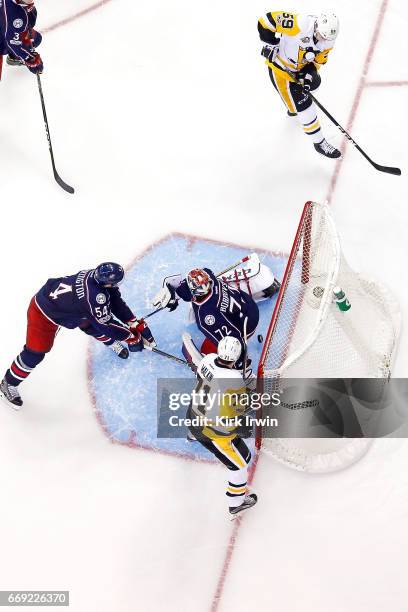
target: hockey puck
<point>260,338</point>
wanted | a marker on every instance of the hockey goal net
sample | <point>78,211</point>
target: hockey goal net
<point>310,337</point>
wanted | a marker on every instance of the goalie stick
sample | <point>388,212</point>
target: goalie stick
<point>57,177</point>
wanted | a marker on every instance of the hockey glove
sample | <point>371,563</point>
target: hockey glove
<point>268,51</point>
<point>309,78</point>
<point>166,298</point>
<point>138,326</point>
<point>36,38</point>
<point>35,64</point>
<point>135,343</point>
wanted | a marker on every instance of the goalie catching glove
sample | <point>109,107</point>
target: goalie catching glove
<point>142,336</point>
<point>166,298</point>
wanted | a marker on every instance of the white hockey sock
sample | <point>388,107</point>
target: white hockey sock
<point>236,489</point>
<point>310,123</point>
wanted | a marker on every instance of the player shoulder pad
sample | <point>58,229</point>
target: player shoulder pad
<point>286,23</point>
<point>96,293</point>
<point>209,369</point>
<point>206,367</point>
<point>18,18</point>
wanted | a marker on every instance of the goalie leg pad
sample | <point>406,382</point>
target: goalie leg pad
<point>261,282</point>
<point>273,289</point>
<point>190,351</point>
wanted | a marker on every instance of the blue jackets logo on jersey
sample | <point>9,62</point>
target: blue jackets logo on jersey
<point>101,298</point>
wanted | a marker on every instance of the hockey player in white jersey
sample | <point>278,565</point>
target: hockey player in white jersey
<point>217,402</point>
<point>296,46</point>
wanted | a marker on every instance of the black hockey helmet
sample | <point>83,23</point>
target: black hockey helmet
<point>109,273</point>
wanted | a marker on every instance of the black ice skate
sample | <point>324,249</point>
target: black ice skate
<point>13,60</point>
<point>326,149</point>
<point>11,394</point>
<point>119,349</point>
<point>249,501</point>
<point>272,289</point>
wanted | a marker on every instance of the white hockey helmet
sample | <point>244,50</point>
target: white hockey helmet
<point>229,349</point>
<point>327,25</point>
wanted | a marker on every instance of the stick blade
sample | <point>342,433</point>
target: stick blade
<point>388,169</point>
<point>63,184</point>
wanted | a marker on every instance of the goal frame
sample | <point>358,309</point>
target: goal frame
<point>303,233</point>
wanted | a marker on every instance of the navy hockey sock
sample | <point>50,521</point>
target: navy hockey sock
<point>22,366</point>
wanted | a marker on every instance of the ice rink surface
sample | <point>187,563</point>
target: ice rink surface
<point>164,120</point>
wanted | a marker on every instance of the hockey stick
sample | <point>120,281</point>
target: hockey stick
<point>245,348</point>
<point>388,169</point>
<point>57,177</point>
<point>153,349</point>
<point>153,312</point>
<point>243,260</point>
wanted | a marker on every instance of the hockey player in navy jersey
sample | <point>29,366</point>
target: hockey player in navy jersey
<point>89,300</point>
<point>18,38</point>
<point>220,310</point>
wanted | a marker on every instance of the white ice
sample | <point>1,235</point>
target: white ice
<point>163,118</point>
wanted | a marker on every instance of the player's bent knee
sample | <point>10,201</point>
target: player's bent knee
<point>31,357</point>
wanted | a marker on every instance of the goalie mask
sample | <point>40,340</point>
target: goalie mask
<point>199,283</point>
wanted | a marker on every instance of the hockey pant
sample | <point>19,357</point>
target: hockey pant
<point>297,101</point>
<point>233,452</point>
<point>41,332</point>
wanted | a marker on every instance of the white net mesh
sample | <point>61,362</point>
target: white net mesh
<point>310,337</point>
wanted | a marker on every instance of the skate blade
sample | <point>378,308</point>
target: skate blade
<point>234,517</point>
<point>4,399</point>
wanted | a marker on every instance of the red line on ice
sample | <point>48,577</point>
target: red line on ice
<point>361,85</point>
<point>231,544</point>
<point>76,16</point>
<point>386,83</point>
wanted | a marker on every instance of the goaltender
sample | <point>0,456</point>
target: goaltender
<point>217,412</point>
